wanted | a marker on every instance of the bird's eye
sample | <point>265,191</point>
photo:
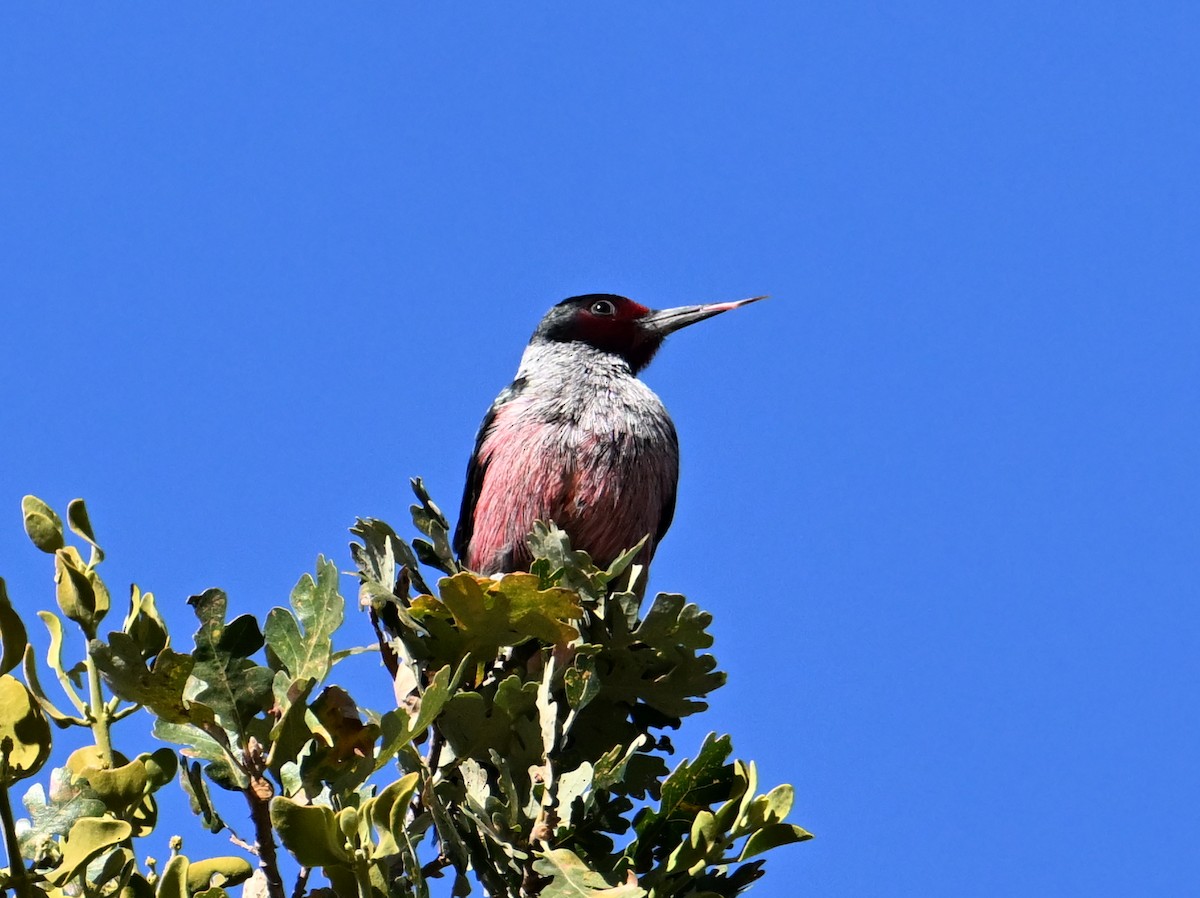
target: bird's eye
<point>603,307</point>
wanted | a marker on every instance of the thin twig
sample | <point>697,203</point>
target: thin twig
<point>435,752</point>
<point>301,882</point>
<point>258,795</point>
<point>98,714</point>
<point>242,843</point>
<point>16,863</point>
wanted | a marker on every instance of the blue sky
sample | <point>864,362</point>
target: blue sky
<point>261,264</point>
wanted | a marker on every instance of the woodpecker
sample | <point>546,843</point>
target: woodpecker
<point>577,439</point>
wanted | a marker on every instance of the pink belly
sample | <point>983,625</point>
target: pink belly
<point>606,494</point>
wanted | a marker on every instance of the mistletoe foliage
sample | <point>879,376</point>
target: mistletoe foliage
<point>525,751</point>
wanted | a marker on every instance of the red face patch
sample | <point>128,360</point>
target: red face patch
<point>610,323</point>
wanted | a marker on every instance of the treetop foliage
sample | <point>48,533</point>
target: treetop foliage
<point>526,751</point>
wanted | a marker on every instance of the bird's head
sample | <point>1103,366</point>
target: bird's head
<point>621,326</point>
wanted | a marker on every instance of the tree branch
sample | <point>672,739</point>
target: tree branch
<point>258,795</point>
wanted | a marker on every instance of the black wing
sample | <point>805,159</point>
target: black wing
<point>668,506</point>
<point>476,470</point>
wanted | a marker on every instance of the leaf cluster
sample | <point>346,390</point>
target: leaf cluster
<point>526,750</point>
<point>78,837</point>
<point>546,771</point>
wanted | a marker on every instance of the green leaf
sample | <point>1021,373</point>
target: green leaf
<point>773,836</point>
<point>44,527</point>
<point>568,787</point>
<point>55,661</point>
<point>570,877</point>
<point>81,593</point>
<point>196,787</point>
<point>159,688</point>
<point>343,654</point>
<point>235,688</point>
<point>144,624</point>
<point>242,637</point>
<point>380,558</point>
<point>310,833</point>
<point>124,786</point>
<point>291,731</point>
<point>741,794</point>
<point>120,788</point>
<point>555,561</point>
<point>348,821</point>
<point>161,766</point>
<point>303,642</point>
<point>428,518</point>
<point>582,685</point>
<point>475,725</point>
<point>548,708</point>
<point>173,882</point>
<point>388,810</point>
<point>699,782</point>
<point>61,720</point>
<point>137,886</point>
<point>718,882</point>
<point>228,775</point>
<point>399,797</point>
<point>13,637</point>
<point>704,833</point>
<point>692,787</point>
<point>24,732</point>
<point>476,616</point>
<point>70,799</point>
<point>766,810</point>
<point>657,665</point>
<point>88,838</point>
<point>90,757</point>
<point>205,746</point>
<point>76,598</point>
<point>343,881</point>
<point>112,868</point>
<point>77,518</point>
<point>628,770</point>
<point>399,727</point>
<point>217,871</point>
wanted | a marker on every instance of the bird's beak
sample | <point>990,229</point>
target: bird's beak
<point>667,321</point>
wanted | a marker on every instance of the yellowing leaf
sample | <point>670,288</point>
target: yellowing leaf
<point>217,871</point>
<point>24,732</point>
<point>477,616</point>
<point>89,837</point>
<point>309,832</point>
